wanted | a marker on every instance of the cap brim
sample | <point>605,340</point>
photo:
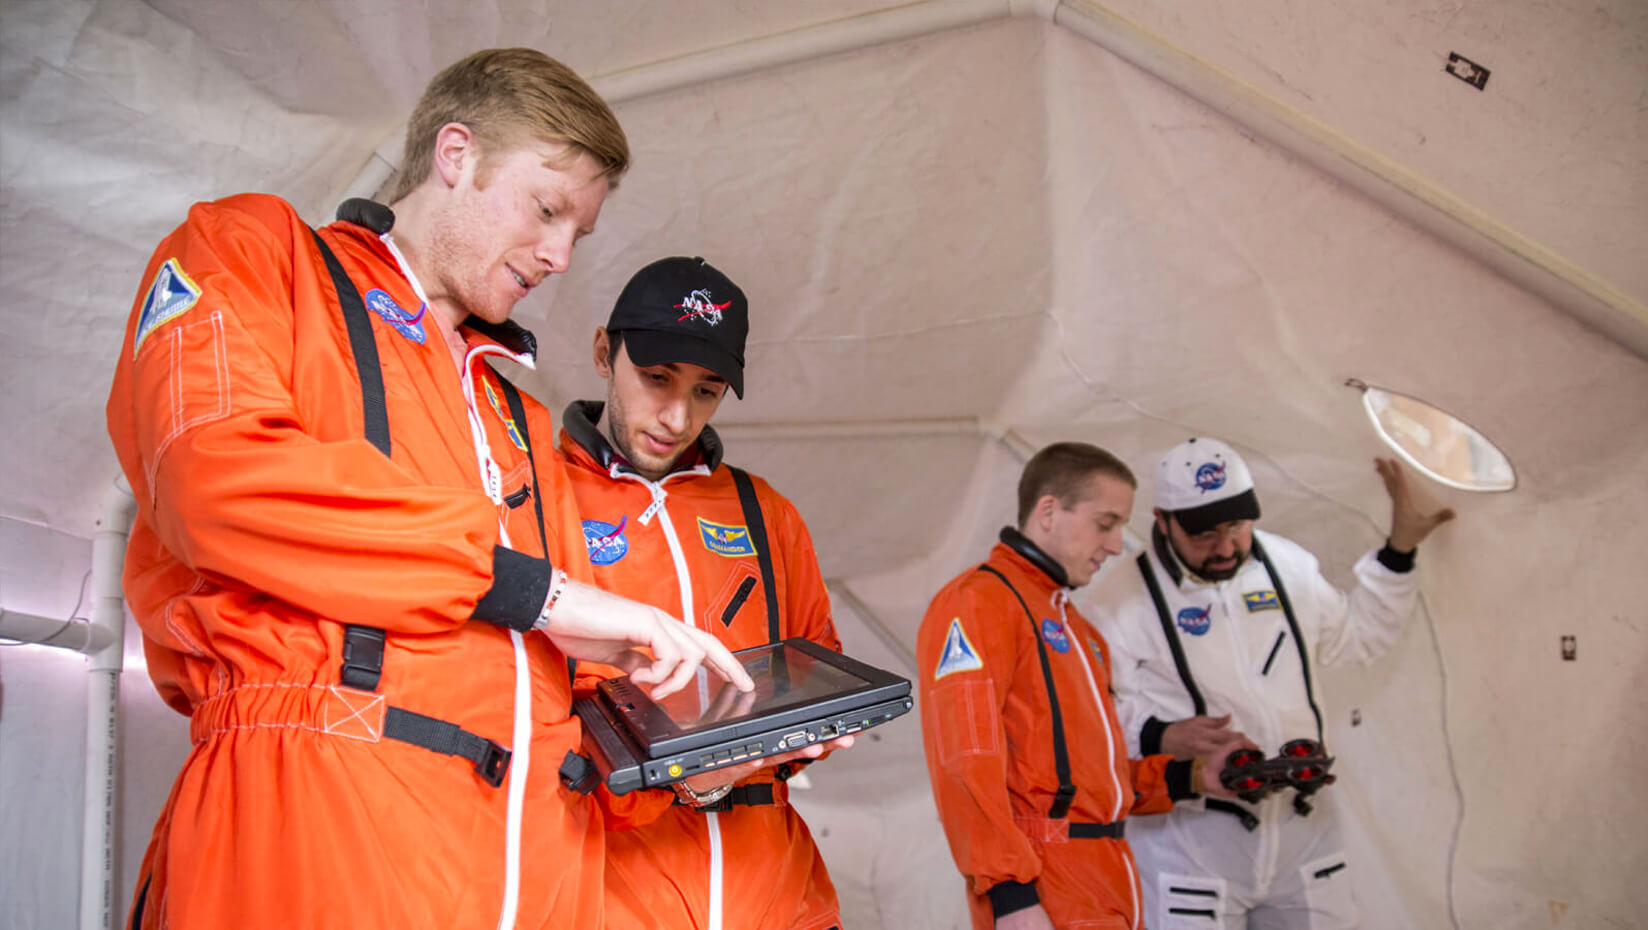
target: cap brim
<point>1194,520</point>
<point>650,347</point>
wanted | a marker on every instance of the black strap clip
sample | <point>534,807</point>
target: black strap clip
<point>754,795</point>
<point>1062,799</point>
<point>1250,821</point>
<point>578,773</point>
<point>493,763</point>
<point>1098,831</point>
<point>362,657</point>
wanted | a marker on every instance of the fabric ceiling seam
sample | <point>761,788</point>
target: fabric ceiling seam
<point>953,323</point>
<point>736,59</point>
<point>1430,620</point>
<point>1531,265</point>
<point>894,645</point>
<point>851,429</point>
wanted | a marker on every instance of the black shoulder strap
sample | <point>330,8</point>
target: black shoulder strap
<point>763,552</point>
<point>363,345</point>
<point>1293,627</point>
<point>362,645</point>
<point>1061,752</point>
<point>1172,634</point>
<point>517,412</point>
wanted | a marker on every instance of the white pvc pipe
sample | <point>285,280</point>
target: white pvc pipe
<point>73,634</point>
<point>98,910</point>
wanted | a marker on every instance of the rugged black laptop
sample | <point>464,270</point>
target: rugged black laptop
<point>803,693</point>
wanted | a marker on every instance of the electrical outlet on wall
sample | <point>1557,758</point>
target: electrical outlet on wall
<point>1468,71</point>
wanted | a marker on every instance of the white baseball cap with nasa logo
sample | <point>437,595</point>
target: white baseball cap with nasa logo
<point>1202,482</point>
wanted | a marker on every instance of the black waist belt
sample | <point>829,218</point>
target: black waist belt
<point>491,760</point>
<point>1247,817</point>
<point>1098,831</point>
<point>756,795</point>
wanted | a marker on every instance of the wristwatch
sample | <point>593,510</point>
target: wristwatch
<point>692,798</point>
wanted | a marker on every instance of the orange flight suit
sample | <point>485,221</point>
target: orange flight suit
<point>670,865</point>
<point>266,522</point>
<point>987,726</point>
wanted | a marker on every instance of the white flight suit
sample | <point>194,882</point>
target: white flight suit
<point>1203,868</point>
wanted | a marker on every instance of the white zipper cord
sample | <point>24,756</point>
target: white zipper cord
<point>717,866</point>
<point>520,762</point>
<point>1060,598</point>
<point>660,509</point>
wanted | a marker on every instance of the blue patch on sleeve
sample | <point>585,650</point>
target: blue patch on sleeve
<point>725,539</point>
<point>1053,633</point>
<point>170,296</point>
<point>958,654</point>
<point>606,543</point>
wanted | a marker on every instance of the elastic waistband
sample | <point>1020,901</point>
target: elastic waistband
<point>331,710</point>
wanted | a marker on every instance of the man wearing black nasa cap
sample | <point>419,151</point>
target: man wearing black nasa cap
<point>684,310</point>
<point>1222,628</point>
<point>667,523</point>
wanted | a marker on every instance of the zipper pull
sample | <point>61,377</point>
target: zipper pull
<point>494,479</point>
<point>658,495</point>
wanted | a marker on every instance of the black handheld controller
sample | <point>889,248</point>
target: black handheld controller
<point>1300,765</point>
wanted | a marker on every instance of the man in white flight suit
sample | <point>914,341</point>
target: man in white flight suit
<point>1223,626</point>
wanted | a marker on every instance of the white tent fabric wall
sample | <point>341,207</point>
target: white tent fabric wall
<point>996,225</point>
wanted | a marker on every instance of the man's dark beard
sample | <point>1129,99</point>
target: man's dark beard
<point>1220,574</point>
<point>618,435</point>
<point>617,428</point>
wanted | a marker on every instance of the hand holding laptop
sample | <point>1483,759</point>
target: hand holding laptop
<point>709,781</point>
<point>807,700</point>
<point>730,702</point>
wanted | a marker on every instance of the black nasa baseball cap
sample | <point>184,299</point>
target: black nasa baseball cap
<point>684,310</point>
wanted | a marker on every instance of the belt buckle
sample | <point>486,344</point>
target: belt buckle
<point>493,764</point>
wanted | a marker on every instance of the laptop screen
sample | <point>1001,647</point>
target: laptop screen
<point>784,678</point>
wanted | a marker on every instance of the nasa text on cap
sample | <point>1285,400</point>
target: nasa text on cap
<point>1204,483</point>
<point>684,310</point>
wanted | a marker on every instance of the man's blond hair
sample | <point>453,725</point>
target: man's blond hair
<point>1063,470</point>
<point>510,97</point>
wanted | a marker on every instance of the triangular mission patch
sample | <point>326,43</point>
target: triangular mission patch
<point>958,654</point>
<point>170,296</point>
